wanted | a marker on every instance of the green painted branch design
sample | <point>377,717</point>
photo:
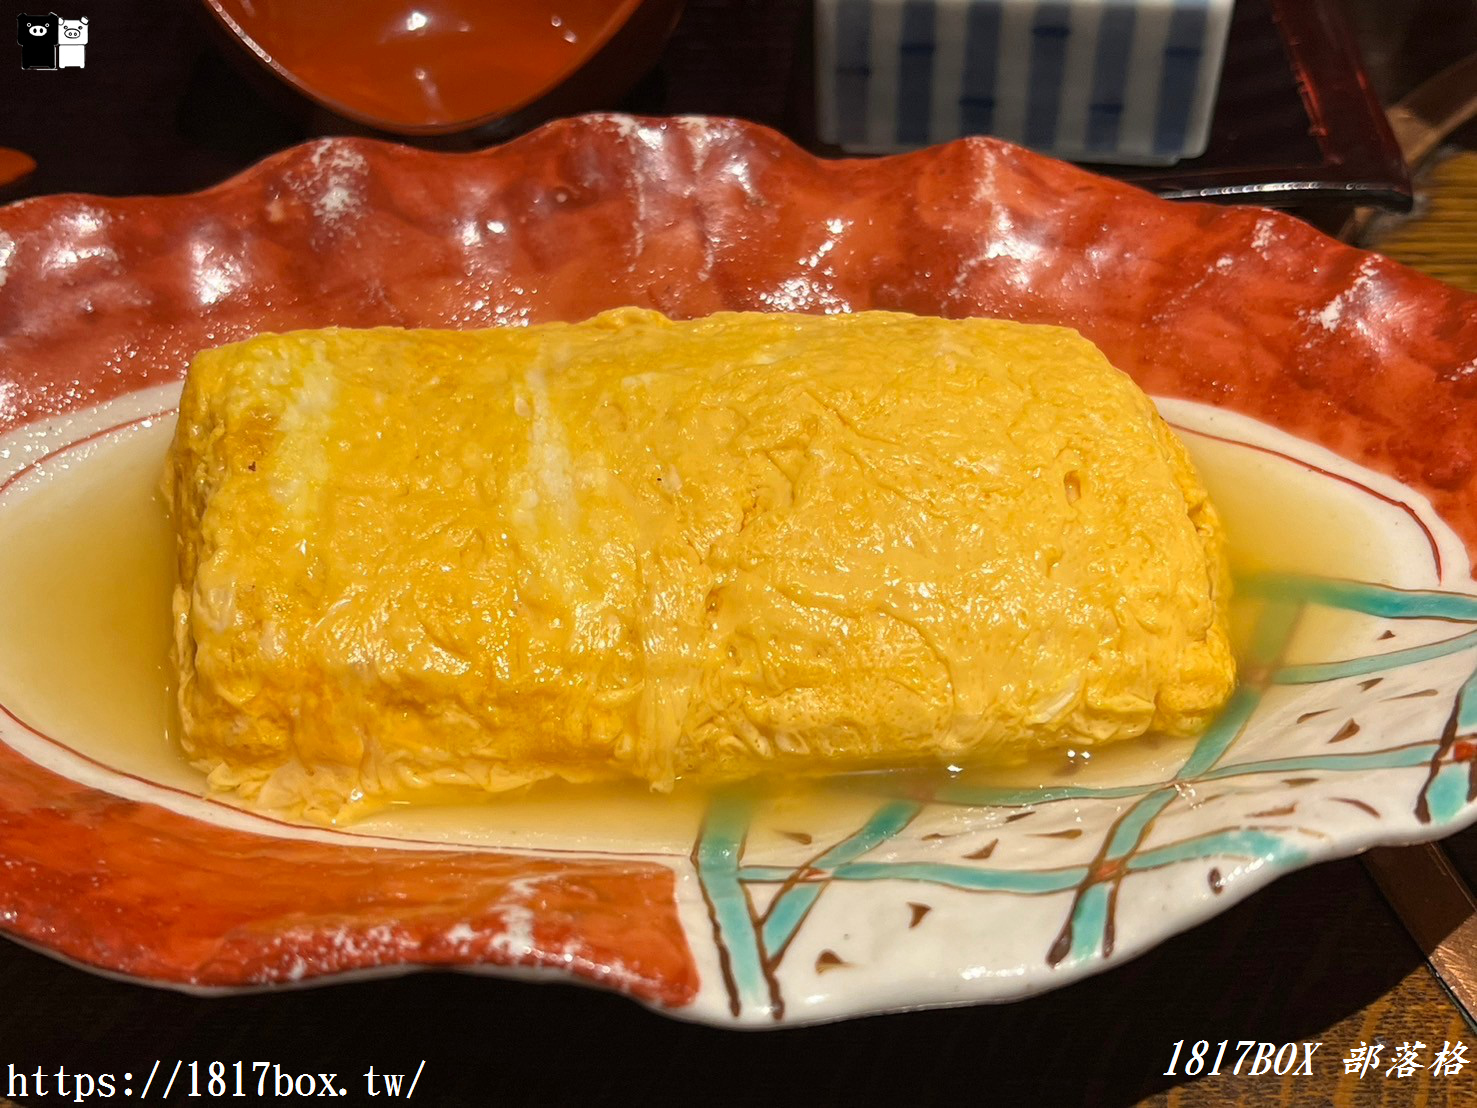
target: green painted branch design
<point>752,947</point>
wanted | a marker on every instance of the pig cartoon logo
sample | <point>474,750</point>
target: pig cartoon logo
<point>51,42</point>
<point>71,46</point>
<point>38,36</point>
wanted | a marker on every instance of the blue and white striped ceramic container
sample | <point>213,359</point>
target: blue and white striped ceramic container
<point>1087,80</point>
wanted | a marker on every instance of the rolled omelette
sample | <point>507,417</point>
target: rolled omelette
<point>634,548</point>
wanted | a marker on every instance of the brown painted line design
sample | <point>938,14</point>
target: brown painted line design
<point>735,1004</point>
<point>1313,715</point>
<point>983,852</point>
<point>1443,748</point>
<point>829,960</point>
<point>1110,916</point>
<point>801,837</point>
<point>767,967</point>
<point>808,872</point>
<point>1069,833</point>
<point>1414,695</point>
<point>1386,634</point>
<point>1019,815</point>
<point>1299,782</point>
<point>1062,945</point>
<point>1363,807</point>
<point>1100,871</point>
<point>918,912</point>
<point>725,960</point>
<point>1369,683</point>
<point>1346,732</point>
<point>1390,500</point>
<point>1274,813</point>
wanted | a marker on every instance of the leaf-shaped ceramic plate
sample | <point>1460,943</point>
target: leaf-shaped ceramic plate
<point>1328,394</point>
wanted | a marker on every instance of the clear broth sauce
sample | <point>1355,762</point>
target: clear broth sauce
<point>87,573</point>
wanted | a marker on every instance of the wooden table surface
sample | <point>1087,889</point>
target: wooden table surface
<point>1317,957</point>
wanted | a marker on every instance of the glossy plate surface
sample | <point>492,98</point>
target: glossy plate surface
<point>1344,377</point>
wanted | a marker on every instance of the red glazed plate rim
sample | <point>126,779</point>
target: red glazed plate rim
<point>1248,310</point>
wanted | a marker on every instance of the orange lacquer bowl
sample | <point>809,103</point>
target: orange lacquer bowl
<point>441,66</point>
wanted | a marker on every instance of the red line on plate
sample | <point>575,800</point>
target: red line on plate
<point>1402,505</point>
<point>379,841</point>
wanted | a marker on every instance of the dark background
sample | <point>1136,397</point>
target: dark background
<point>1285,966</point>
<point>167,103</point>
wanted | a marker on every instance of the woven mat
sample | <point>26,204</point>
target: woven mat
<point>1441,238</point>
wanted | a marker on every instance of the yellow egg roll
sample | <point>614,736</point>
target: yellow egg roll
<point>634,548</point>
